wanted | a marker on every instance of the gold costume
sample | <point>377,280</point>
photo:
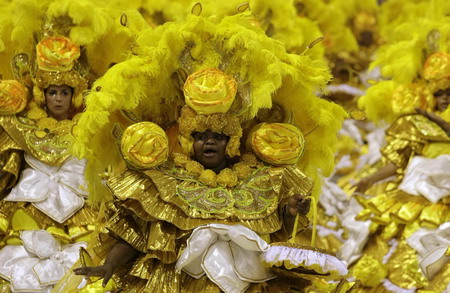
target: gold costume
<point>156,210</point>
<point>397,215</point>
<point>22,134</point>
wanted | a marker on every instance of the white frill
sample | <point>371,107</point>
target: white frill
<point>431,246</point>
<point>391,287</point>
<point>228,255</point>
<point>56,191</point>
<point>39,263</point>
<point>428,177</point>
<point>292,257</point>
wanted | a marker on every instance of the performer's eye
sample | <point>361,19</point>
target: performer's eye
<point>199,136</point>
<point>220,136</point>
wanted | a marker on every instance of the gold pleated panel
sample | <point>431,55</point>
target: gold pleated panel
<point>162,237</point>
<point>134,186</point>
<point>150,215</point>
<point>254,198</point>
<point>293,181</point>
<point>10,162</point>
<point>83,217</point>
<point>126,228</point>
<point>51,149</point>
<point>163,279</point>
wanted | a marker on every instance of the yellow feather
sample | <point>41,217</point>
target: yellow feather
<point>143,85</point>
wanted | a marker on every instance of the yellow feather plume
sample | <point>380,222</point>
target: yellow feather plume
<point>412,30</point>
<point>144,85</point>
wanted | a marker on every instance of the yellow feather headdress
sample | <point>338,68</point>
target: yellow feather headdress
<point>148,86</point>
<point>414,31</point>
<point>61,42</point>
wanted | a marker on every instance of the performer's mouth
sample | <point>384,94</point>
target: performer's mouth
<point>209,153</point>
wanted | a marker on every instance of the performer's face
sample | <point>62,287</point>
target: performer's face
<point>58,99</point>
<point>209,149</point>
<point>442,99</point>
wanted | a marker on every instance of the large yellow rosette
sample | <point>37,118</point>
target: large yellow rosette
<point>408,97</point>
<point>13,97</point>
<point>437,66</point>
<point>144,145</point>
<point>277,143</point>
<point>209,91</point>
<point>56,54</point>
<point>437,71</point>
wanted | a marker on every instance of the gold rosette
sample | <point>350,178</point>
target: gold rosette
<point>408,97</point>
<point>208,177</point>
<point>233,146</point>
<point>209,91</point>
<point>144,145</point>
<point>13,97</point>
<point>227,178</point>
<point>277,143</point>
<point>56,54</point>
<point>437,66</point>
<point>436,71</point>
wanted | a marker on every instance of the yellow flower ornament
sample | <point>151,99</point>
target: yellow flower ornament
<point>210,91</point>
<point>13,97</point>
<point>277,143</point>
<point>407,97</point>
<point>56,54</point>
<point>437,66</point>
<point>436,71</point>
<point>144,145</point>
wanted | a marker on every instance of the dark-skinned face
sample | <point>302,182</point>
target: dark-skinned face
<point>209,149</point>
<point>442,98</point>
<point>58,99</point>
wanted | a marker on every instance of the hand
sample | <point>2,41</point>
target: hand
<point>298,205</point>
<point>105,271</point>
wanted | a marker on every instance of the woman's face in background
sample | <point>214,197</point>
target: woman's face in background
<point>58,99</point>
<point>442,99</point>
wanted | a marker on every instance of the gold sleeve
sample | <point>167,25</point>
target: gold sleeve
<point>399,151</point>
<point>404,141</point>
<point>293,182</point>
<point>11,156</point>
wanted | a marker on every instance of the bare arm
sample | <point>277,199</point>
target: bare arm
<point>436,119</point>
<point>119,255</point>
<point>382,173</point>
